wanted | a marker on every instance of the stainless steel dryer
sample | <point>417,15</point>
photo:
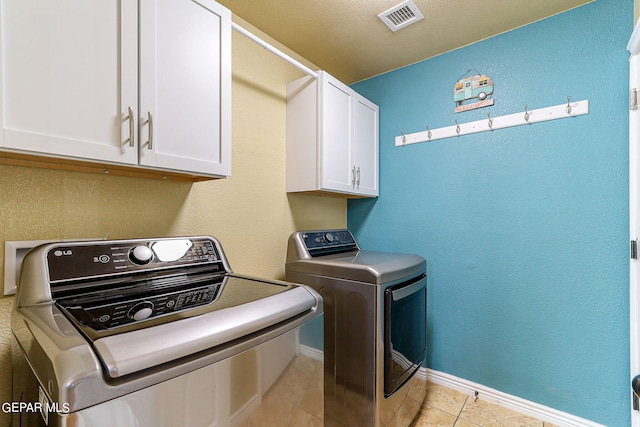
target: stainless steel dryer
<point>374,325</point>
<point>153,332</point>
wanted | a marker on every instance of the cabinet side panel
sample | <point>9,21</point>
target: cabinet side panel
<point>302,120</point>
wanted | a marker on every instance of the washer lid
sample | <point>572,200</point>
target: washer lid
<point>362,266</point>
<point>130,352</point>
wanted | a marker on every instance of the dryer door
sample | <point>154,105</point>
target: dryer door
<point>405,332</point>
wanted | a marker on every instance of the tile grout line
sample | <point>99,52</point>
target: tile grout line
<point>460,411</point>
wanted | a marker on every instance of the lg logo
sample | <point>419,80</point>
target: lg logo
<point>63,253</point>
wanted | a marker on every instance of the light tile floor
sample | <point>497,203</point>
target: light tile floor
<point>296,400</point>
<point>444,407</point>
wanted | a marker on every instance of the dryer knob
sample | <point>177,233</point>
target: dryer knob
<point>328,238</point>
<point>141,255</point>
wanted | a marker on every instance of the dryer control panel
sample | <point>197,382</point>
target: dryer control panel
<point>329,241</point>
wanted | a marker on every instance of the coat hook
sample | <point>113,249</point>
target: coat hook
<point>490,120</point>
<point>457,128</point>
<point>404,138</point>
<point>526,113</point>
<point>568,105</point>
<point>428,133</point>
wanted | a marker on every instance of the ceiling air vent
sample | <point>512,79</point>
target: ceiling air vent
<point>400,16</point>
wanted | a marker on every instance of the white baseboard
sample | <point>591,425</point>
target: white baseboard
<point>515,403</point>
<point>422,373</point>
<point>541,412</point>
<point>311,352</point>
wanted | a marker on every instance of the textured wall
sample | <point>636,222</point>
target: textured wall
<point>250,212</point>
<point>525,230</point>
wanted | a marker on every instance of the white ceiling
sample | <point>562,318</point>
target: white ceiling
<point>348,40</point>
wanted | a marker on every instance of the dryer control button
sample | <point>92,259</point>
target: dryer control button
<point>328,237</point>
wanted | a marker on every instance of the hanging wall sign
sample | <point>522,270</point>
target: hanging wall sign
<point>477,89</point>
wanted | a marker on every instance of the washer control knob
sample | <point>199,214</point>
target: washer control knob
<point>141,311</point>
<point>141,255</point>
<point>328,237</point>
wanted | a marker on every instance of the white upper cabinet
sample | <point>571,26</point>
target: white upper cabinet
<point>335,135</point>
<point>365,145</point>
<point>66,82</point>
<point>332,139</point>
<point>185,92</point>
<point>81,80</point>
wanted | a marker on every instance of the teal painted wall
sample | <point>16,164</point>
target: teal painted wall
<point>525,229</point>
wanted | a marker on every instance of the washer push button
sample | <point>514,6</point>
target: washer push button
<point>142,310</point>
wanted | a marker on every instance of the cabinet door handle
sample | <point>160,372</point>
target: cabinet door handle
<point>353,176</point>
<point>131,129</point>
<point>358,180</point>
<point>150,143</point>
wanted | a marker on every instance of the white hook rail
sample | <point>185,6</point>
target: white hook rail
<point>527,117</point>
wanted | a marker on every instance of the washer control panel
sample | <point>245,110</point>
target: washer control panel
<point>111,315</point>
<point>79,261</point>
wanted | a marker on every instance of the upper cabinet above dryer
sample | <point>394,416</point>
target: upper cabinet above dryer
<point>332,139</point>
<point>145,89</point>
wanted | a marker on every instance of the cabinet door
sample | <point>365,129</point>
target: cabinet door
<point>337,169</point>
<point>185,80</point>
<point>69,78</point>
<point>365,146</point>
